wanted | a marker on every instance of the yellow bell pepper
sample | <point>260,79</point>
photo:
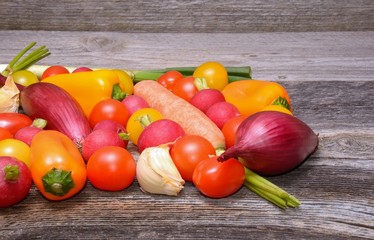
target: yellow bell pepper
<point>251,96</point>
<point>89,88</point>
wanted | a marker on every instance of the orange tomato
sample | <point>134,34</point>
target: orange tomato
<point>57,167</point>
<point>229,129</point>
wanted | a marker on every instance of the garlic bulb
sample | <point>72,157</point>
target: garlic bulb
<point>9,96</point>
<point>156,172</point>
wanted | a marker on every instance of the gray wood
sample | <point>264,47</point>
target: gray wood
<point>188,16</point>
<point>329,77</point>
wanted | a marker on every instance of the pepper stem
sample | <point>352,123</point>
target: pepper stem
<point>117,92</point>
<point>58,182</point>
<point>11,172</point>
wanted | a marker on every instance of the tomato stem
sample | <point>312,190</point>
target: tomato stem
<point>11,172</point>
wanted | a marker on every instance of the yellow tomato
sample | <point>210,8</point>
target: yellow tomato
<point>15,148</point>
<point>126,82</point>
<point>134,126</point>
<point>214,73</point>
<point>25,77</point>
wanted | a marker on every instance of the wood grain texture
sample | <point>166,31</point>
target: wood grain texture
<point>188,16</point>
<point>329,77</point>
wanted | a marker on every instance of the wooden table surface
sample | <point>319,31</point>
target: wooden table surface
<point>330,78</point>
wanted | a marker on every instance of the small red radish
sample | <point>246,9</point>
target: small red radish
<point>26,134</point>
<point>159,132</point>
<point>110,125</point>
<point>101,138</point>
<point>221,112</point>
<point>15,181</point>
<point>82,69</point>
<point>205,98</point>
<point>134,103</point>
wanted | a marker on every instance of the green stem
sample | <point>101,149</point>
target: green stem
<point>58,182</point>
<point>268,190</point>
<point>200,83</point>
<point>124,136</point>
<point>117,92</point>
<point>145,120</point>
<point>11,172</point>
<point>39,123</point>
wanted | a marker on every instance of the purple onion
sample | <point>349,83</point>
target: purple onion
<point>272,143</point>
<point>58,108</point>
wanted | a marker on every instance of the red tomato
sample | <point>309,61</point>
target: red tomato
<point>109,109</point>
<point>168,79</point>
<point>111,168</point>
<point>5,133</point>
<point>218,179</point>
<point>14,121</point>
<point>185,88</point>
<point>229,129</point>
<point>54,70</point>
<point>188,151</point>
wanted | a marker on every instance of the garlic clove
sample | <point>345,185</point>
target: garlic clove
<point>9,96</point>
<point>156,172</point>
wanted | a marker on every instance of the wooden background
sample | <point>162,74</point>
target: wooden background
<point>321,51</point>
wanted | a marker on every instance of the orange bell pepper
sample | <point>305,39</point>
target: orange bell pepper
<point>251,96</point>
<point>89,88</point>
<point>57,167</point>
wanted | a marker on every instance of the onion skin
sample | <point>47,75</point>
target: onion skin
<point>58,108</point>
<point>272,143</point>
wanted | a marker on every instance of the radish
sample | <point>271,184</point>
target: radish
<point>101,138</point>
<point>110,125</point>
<point>221,112</point>
<point>26,134</point>
<point>134,103</point>
<point>159,132</point>
<point>205,98</point>
<point>15,181</point>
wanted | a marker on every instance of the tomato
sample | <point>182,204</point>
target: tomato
<point>168,79</point>
<point>188,151</point>
<point>54,70</point>
<point>14,121</point>
<point>126,83</point>
<point>25,77</point>
<point>5,134</point>
<point>15,148</point>
<point>111,168</point>
<point>214,73</point>
<point>229,129</point>
<point>134,126</point>
<point>109,109</point>
<point>218,179</point>
<point>185,88</point>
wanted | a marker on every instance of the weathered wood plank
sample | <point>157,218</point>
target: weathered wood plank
<point>331,56</point>
<point>329,77</point>
<point>188,16</point>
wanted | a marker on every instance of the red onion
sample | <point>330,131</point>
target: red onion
<point>58,108</point>
<point>272,143</point>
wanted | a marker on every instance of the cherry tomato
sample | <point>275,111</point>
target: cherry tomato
<point>15,148</point>
<point>25,77</point>
<point>5,133</point>
<point>111,168</point>
<point>188,151</point>
<point>229,129</point>
<point>185,88</point>
<point>214,73</point>
<point>168,79</point>
<point>109,109</point>
<point>218,179</point>
<point>125,81</point>
<point>54,70</point>
<point>134,126</point>
<point>14,121</point>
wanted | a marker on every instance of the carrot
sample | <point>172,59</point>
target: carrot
<point>192,120</point>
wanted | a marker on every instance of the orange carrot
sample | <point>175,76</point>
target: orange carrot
<point>192,120</point>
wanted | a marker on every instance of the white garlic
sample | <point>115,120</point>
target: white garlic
<point>9,96</point>
<point>156,172</point>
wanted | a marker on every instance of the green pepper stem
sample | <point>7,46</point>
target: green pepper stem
<point>58,182</point>
<point>117,92</point>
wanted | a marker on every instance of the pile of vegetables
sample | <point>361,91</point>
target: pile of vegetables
<point>210,125</point>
